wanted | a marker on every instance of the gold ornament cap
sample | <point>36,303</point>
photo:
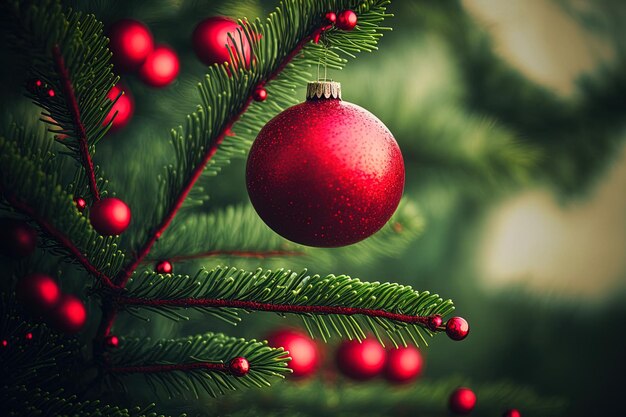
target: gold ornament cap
<point>320,90</point>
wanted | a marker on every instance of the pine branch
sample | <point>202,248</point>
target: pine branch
<point>197,363</point>
<point>331,305</point>
<point>235,254</point>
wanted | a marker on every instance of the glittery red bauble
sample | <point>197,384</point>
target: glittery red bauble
<point>109,216</point>
<point>325,173</point>
<point>130,42</point>
<point>462,401</point>
<point>239,366</point>
<point>360,361</point>
<point>512,413</point>
<point>161,67</point>
<point>403,364</point>
<point>304,353</point>
<point>17,238</point>
<point>70,315</point>
<point>112,341</point>
<point>124,107</point>
<point>347,20</point>
<point>164,267</point>
<point>212,43</point>
<point>457,328</point>
<point>37,293</point>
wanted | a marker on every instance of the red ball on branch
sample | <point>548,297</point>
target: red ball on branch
<point>360,360</point>
<point>123,108</point>
<point>160,67</point>
<point>331,17</point>
<point>164,267</point>
<point>404,364</point>
<point>111,341</point>
<point>434,322</point>
<point>131,42</point>
<point>70,315</point>
<point>38,293</point>
<point>28,336</point>
<point>457,328</point>
<point>304,353</point>
<point>109,216</point>
<point>213,45</point>
<point>17,238</point>
<point>239,366</point>
<point>259,94</point>
<point>81,204</point>
<point>462,401</point>
<point>347,20</point>
<point>512,413</point>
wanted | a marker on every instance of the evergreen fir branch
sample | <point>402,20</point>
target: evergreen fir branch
<point>198,363</point>
<point>328,305</point>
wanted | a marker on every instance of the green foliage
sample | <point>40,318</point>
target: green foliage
<point>289,288</point>
<point>265,363</point>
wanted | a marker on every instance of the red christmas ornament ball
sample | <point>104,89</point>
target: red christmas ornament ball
<point>111,341</point>
<point>457,328</point>
<point>331,17</point>
<point>131,42</point>
<point>109,216</point>
<point>404,364</point>
<point>4,343</point>
<point>212,43</point>
<point>434,322</point>
<point>123,108</point>
<point>70,315</point>
<point>361,360</point>
<point>164,267</point>
<point>239,366</point>
<point>81,204</point>
<point>512,413</point>
<point>347,20</point>
<point>38,293</point>
<point>28,336</point>
<point>259,94</point>
<point>304,353</point>
<point>462,400</point>
<point>17,238</point>
<point>160,68</point>
<point>325,173</point>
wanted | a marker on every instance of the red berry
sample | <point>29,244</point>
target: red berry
<point>462,401</point>
<point>29,336</point>
<point>331,17</point>
<point>260,94</point>
<point>109,216</point>
<point>434,322</point>
<point>457,328</point>
<point>38,293</point>
<point>5,343</point>
<point>512,413</point>
<point>131,42</point>
<point>403,364</point>
<point>81,204</point>
<point>361,360</point>
<point>50,93</point>
<point>239,366</point>
<point>304,353</point>
<point>124,107</point>
<point>161,67</point>
<point>17,238</point>
<point>111,341</point>
<point>212,43</point>
<point>347,20</point>
<point>70,314</point>
<point>164,267</point>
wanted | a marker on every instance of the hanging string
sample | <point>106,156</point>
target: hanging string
<point>323,58</point>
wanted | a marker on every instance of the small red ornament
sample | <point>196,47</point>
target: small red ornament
<point>81,204</point>
<point>17,238</point>
<point>161,67</point>
<point>38,293</point>
<point>404,364</point>
<point>51,93</point>
<point>164,267</point>
<point>29,336</point>
<point>434,322</point>
<point>5,343</point>
<point>111,341</point>
<point>239,366</point>
<point>109,216</point>
<point>360,361</point>
<point>457,328</point>
<point>260,94</point>
<point>212,43</point>
<point>512,413</point>
<point>131,42</point>
<point>35,86</point>
<point>70,315</point>
<point>462,401</point>
<point>347,20</point>
<point>331,17</point>
<point>304,353</point>
<point>124,107</point>
<point>325,172</point>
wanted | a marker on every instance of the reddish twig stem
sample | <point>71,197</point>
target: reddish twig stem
<point>276,308</point>
<point>151,369</point>
<point>79,127</point>
<point>233,253</point>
